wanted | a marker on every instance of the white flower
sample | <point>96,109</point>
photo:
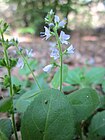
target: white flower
<point>29,52</point>
<point>51,12</point>
<point>64,37</point>
<point>20,63</point>
<point>48,68</point>
<point>56,19</point>
<point>71,50</point>
<point>54,53</point>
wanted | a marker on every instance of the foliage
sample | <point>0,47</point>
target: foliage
<point>5,128</point>
<point>86,77</point>
<point>50,111</point>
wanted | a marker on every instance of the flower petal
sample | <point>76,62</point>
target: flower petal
<point>56,19</point>
<point>48,68</point>
<point>71,50</point>
<point>55,53</point>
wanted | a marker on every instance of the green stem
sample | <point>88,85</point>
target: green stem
<point>10,88</point>
<point>35,79</point>
<point>61,62</point>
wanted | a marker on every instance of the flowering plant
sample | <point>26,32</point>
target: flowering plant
<point>49,114</point>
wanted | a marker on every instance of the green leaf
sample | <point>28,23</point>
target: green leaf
<point>6,81</point>
<point>95,75</point>
<point>6,127</point>
<point>103,85</point>
<point>2,136</point>
<point>74,76</point>
<point>56,80</point>
<point>24,101</point>
<point>102,101</point>
<point>2,62</point>
<point>97,126</point>
<point>13,62</point>
<point>49,117</point>
<point>69,88</point>
<point>5,104</point>
<point>84,102</point>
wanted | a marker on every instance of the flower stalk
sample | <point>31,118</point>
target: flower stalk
<point>34,77</point>
<point>61,60</point>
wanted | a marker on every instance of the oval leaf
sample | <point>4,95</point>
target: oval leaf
<point>95,75</point>
<point>5,104</point>
<point>84,102</point>
<point>2,136</point>
<point>6,127</point>
<point>97,126</point>
<point>49,117</point>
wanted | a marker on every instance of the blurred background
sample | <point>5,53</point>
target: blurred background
<point>85,24</point>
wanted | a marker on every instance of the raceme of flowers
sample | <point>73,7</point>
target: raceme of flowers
<point>28,53</point>
<point>54,23</point>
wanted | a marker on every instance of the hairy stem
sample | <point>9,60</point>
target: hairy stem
<point>10,87</point>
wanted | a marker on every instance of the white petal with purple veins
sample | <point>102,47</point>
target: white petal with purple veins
<point>62,23</point>
<point>20,63</point>
<point>48,68</point>
<point>47,32</point>
<point>54,53</point>
<point>71,50</point>
<point>64,37</point>
<point>29,52</point>
<point>56,19</point>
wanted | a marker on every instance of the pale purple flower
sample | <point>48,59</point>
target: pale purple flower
<point>46,34</point>
<point>29,52</point>
<point>64,37</point>
<point>54,53</point>
<point>20,63</point>
<point>71,50</point>
<point>56,19</point>
<point>48,68</point>
<point>62,23</point>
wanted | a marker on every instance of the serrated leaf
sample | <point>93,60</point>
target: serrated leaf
<point>49,117</point>
<point>97,126</point>
<point>56,80</point>
<point>6,127</point>
<point>5,104</point>
<point>84,102</point>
